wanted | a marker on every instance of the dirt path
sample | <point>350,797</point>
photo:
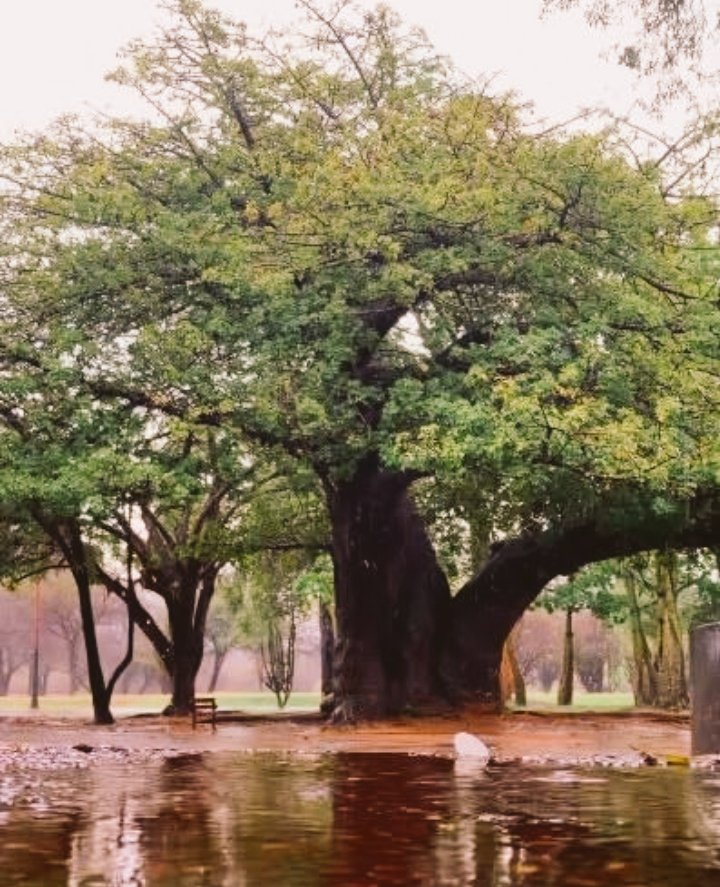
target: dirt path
<point>614,738</point>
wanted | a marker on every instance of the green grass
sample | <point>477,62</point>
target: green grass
<point>582,701</point>
<point>79,704</point>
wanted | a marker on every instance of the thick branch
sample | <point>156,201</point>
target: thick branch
<point>520,568</point>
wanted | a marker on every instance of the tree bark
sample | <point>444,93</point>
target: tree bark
<point>644,681</point>
<point>567,672</point>
<point>218,660</point>
<point>69,538</point>
<point>517,681</point>
<point>187,646</point>
<point>672,689</point>
<point>391,600</point>
<point>100,700</point>
<point>327,653</point>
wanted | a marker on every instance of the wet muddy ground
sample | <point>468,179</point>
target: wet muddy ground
<point>622,739</point>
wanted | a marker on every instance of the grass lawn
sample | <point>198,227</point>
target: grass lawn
<point>582,701</point>
<point>79,704</point>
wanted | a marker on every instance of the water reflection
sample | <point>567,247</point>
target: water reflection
<point>350,820</point>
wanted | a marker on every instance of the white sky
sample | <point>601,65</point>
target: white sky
<point>54,53</point>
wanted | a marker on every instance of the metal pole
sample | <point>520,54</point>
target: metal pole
<point>705,688</point>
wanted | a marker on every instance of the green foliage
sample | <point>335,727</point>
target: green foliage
<point>268,594</point>
<point>315,583</point>
<point>600,588</point>
<point>594,588</point>
<point>330,248</point>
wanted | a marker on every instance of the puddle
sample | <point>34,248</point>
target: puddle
<point>354,819</point>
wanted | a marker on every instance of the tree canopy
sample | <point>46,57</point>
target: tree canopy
<point>332,247</point>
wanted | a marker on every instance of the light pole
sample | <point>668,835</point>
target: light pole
<point>35,665</point>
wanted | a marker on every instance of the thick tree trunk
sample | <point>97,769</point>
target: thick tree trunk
<point>403,643</point>
<point>482,617</point>
<point>391,600</point>
<point>567,672</point>
<point>187,647</point>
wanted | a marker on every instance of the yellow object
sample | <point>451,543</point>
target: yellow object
<point>677,760</point>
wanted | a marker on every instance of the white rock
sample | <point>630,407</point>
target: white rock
<point>469,746</point>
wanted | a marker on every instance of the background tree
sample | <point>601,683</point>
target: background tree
<point>15,636</point>
<point>539,643</point>
<point>269,598</point>
<point>659,625</point>
<point>222,634</point>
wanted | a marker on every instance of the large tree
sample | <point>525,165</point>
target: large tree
<point>342,250</point>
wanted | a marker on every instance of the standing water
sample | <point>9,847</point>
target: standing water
<point>354,819</point>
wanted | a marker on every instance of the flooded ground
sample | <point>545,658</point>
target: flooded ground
<point>569,801</point>
<point>111,816</point>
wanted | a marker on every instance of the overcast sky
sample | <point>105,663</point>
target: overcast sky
<point>54,53</point>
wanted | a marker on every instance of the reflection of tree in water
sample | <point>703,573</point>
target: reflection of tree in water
<point>281,819</point>
<point>36,849</point>
<point>106,849</point>
<point>177,835</point>
<point>590,827</point>
<point>203,820</point>
<point>262,819</point>
<point>386,813</point>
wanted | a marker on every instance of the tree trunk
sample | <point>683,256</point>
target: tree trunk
<point>218,660</point>
<point>567,673</point>
<point>517,681</point>
<point>187,647</point>
<point>391,600</point>
<point>591,671</point>
<point>327,652</point>
<point>672,690</point>
<point>100,700</point>
<point>68,537</point>
<point>403,643</point>
<point>74,668</point>
<point>644,681</point>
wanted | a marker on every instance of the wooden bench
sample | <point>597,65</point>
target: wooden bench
<point>204,710</point>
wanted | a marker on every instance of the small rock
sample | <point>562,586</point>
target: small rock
<point>469,746</point>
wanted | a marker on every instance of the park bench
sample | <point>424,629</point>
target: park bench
<point>204,710</point>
